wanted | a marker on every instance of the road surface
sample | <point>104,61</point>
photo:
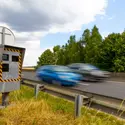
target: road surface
<point>107,88</point>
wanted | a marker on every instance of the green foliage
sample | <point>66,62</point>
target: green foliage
<point>92,46</point>
<point>56,50</point>
<point>46,58</point>
<point>113,52</point>
<point>108,53</point>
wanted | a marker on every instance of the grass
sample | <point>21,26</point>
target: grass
<point>49,110</point>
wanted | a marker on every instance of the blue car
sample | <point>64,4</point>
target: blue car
<point>61,74</point>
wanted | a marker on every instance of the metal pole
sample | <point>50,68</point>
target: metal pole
<point>78,105</point>
<point>3,36</point>
<point>5,99</point>
<point>5,95</point>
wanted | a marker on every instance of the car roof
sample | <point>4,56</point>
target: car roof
<point>77,64</point>
<point>52,66</point>
<point>55,68</point>
<point>80,64</point>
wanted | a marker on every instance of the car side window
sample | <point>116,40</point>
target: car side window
<point>48,70</point>
<point>74,67</point>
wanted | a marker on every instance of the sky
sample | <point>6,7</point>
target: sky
<point>41,24</point>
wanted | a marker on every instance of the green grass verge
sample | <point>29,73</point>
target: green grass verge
<point>27,108</point>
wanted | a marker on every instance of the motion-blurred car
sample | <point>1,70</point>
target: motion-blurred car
<point>61,74</point>
<point>89,72</point>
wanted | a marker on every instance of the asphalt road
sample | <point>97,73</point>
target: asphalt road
<point>107,88</point>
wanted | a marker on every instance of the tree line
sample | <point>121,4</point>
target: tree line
<point>107,53</point>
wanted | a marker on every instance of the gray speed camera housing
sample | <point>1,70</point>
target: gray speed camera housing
<point>11,60</point>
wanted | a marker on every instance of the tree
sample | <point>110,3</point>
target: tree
<point>119,48</point>
<point>72,50</point>
<point>56,50</point>
<point>108,54</point>
<point>93,42</point>
<point>81,51</point>
<point>85,37</point>
<point>84,41</point>
<point>46,58</point>
<point>112,53</point>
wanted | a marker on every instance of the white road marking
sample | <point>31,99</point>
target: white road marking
<point>115,81</point>
<point>81,83</point>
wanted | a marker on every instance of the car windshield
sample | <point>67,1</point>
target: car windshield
<point>61,69</point>
<point>90,67</point>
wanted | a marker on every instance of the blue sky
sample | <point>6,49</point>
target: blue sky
<point>113,21</point>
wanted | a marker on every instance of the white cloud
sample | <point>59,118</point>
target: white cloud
<point>31,20</point>
<point>80,14</point>
<point>112,17</point>
<point>33,51</point>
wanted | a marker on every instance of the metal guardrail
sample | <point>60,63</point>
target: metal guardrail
<point>101,98</point>
<point>56,91</point>
<point>106,104</point>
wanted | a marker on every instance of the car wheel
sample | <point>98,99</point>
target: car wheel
<point>46,80</point>
<point>56,82</point>
<point>49,81</point>
<point>62,85</point>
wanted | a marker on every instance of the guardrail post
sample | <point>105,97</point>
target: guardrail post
<point>37,86</point>
<point>78,105</point>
